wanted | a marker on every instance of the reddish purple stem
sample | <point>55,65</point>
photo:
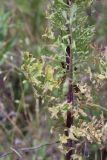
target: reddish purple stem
<point>69,121</point>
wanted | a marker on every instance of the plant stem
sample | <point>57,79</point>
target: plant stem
<point>69,76</point>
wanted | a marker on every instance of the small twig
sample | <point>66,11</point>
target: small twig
<point>14,150</point>
<point>6,154</point>
<point>28,149</point>
<point>34,148</point>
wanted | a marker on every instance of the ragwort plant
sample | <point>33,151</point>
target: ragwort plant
<point>51,78</point>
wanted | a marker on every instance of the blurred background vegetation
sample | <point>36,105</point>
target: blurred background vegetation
<point>22,24</point>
